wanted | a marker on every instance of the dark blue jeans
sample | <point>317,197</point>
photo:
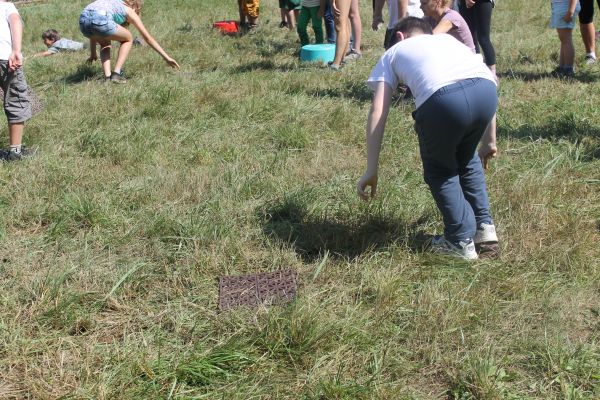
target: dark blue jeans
<point>329,24</point>
<point>450,125</point>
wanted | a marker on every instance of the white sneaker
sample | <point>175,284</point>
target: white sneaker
<point>486,233</point>
<point>464,250</point>
<point>589,59</point>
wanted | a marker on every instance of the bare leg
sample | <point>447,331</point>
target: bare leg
<point>588,35</point>
<point>15,133</point>
<point>126,39</point>
<point>356,25</point>
<point>341,9</point>
<point>105,56</point>
<point>567,49</point>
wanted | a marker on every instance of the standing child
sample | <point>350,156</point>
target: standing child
<point>249,12</point>
<point>104,21</point>
<point>16,101</point>
<point>311,10</point>
<point>289,10</point>
<point>564,13</point>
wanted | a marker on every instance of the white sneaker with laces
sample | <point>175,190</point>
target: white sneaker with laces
<point>486,233</point>
<point>464,249</point>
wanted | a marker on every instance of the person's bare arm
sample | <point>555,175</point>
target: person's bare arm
<point>382,98</point>
<point>15,60</point>
<point>487,145</point>
<point>93,54</point>
<point>443,26</point>
<point>43,54</point>
<point>402,8</point>
<point>136,21</point>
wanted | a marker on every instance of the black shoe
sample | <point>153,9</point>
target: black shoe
<point>26,152</point>
<point>118,77</point>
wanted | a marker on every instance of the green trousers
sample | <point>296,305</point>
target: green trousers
<point>307,13</point>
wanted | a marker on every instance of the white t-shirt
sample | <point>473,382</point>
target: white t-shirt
<point>426,63</point>
<point>414,10</point>
<point>6,9</point>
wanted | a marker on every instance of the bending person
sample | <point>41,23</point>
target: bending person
<point>104,21</point>
<point>455,98</point>
<point>445,20</point>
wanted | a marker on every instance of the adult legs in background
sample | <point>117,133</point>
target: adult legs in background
<point>341,10</point>
<point>588,32</point>
<point>483,18</point>
<point>329,23</point>
<point>356,23</point>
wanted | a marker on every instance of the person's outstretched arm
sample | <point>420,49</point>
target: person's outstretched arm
<point>382,98</point>
<point>43,54</point>
<point>15,60</point>
<point>93,54</point>
<point>135,19</point>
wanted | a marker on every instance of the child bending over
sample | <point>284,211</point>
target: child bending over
<point>104,21</point>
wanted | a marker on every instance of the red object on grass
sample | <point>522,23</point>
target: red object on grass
<point>226,26</point>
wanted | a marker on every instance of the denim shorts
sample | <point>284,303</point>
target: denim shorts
<point>558,12</point>
<point>96,23</point>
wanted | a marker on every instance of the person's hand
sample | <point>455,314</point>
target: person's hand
<point>568,17</point>
<point>470,3</point>
<point>377,21</point>
<point>172,63</point>
<point>91,59</point>
<point>486,152</point>
<point>335,9</point>
<point>15,61</point>
<point>321,12</point>
<point>368,179</point>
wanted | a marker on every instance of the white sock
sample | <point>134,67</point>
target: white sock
<point>593,55</point>
<point>15,148</point>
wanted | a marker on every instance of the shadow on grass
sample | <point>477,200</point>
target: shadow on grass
<point>264,65</point>
<point>82,74</point>
<point>311,237</point>
<point>568,128</point>
<point>585,76</point>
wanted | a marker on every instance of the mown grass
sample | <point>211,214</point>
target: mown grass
<point>245,161</point>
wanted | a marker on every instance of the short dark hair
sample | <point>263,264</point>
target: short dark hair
<point>51,34</point>
<point>409,26</point>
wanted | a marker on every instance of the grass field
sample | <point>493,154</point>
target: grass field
<point>141,195</point>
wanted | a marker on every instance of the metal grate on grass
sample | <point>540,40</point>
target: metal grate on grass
<point>252,290</point>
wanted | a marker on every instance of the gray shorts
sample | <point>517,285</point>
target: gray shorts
<point>17,105</point>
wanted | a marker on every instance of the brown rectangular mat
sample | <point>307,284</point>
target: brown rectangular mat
<point>257,289</point>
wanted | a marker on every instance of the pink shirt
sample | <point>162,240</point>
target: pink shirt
<point>460,30</point>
